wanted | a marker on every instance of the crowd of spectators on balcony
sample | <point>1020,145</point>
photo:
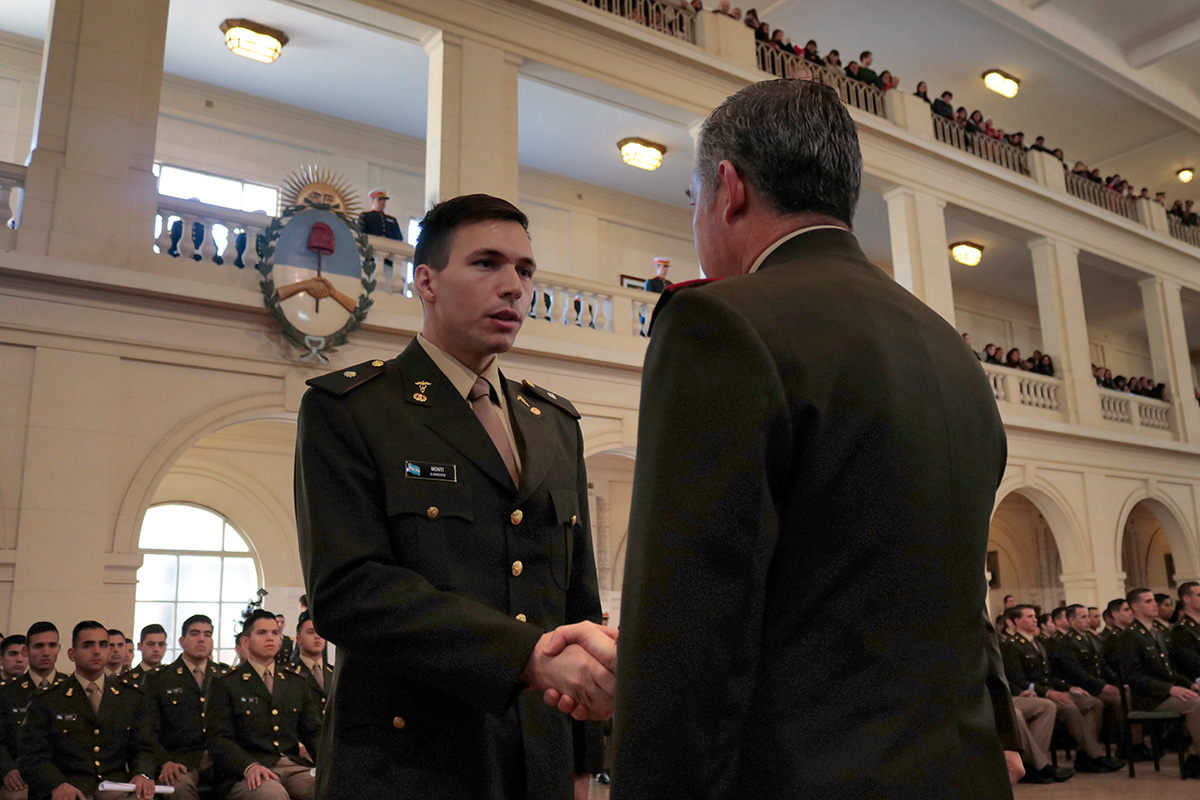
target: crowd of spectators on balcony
<point>1040,363</point>
<point>1146,387</point>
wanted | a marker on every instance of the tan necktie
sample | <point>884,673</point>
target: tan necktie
<point>199,673</point>
<point>481,402</point>
<point>45,684</point>
<point>319,673</point>
<point>93,693</point>
<point>269,680</point>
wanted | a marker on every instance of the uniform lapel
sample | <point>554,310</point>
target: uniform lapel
<point>537,450</point>
<point>77,694</point>
<point>448,414</point>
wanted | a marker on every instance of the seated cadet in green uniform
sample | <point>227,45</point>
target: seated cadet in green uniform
<point>1184,638</point>
<point>87,730</point>
<point>42,648</point>
<point>310,660</point>
<point>259,716</point>
<point>152,646</point>
<point>178,695</point>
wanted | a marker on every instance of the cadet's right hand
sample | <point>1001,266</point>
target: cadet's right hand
<point>171,772</point>
<point>257,774</point>
<point>65,791</point>
<point>13,782</point>
<point>1062,698</point>
<point>580,684</point>
<point>1182,693</point>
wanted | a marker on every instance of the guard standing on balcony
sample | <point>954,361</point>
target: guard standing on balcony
<point>378,222</point>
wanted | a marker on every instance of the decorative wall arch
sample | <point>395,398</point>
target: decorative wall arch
<point>1074,552</point>
<point>250,408</point>
<point>1180,538</point>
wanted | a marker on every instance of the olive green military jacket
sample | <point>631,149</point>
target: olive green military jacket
<point>64,740</point>
<point>1143,662</point>
<point>435,577</point>
<point>179,712</point>
<point>15,695</point>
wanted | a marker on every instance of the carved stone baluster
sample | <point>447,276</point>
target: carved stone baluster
<point>163,243</point>
<point>250,254</point>
<point>187,244</point>
<point>565,307</point>
<point>229,254</point>
<point>208,245</point>
<point>603,318</point>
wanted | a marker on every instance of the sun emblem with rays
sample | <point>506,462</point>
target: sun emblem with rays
<point>313,185</point>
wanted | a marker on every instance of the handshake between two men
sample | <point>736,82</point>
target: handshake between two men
<point>575,669</point>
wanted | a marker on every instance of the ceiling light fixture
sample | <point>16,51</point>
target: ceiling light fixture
<point>1186,174</point>
<point>1001,82</point>
<point>641,153</point>
<point>252,40</point>
<point>967,253</point>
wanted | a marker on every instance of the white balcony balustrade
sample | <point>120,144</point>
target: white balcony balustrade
<point>1100,195</point>
<point>665,16</point>
<point>980,144</point>
<point>189,229</point>
<point>1136,413</point>
<point>1184,233</point>
<point>785,64</point>
<point>1026,392</point>
<point>12,178</point>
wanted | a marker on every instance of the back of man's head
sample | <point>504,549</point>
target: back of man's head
<point>439,224</point>
<point>793,142</point>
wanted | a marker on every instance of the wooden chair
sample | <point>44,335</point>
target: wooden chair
<point>1152,722</point>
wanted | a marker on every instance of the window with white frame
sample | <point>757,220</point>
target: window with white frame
<point>195,562</point>
<point>215,190</point>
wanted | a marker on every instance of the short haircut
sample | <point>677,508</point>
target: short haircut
<point>441,221</point>
<point>304,600</point>
<point>864,54</point>
<point>86,625</point>
<point>1185,588</point>
<point>152,629</point>
<point>1057,613</point>
<point>115,632</point>
<point>39,628</point>
<point>280,616</point>
<point>1044,619</point>
<point>303,618</point>
<point>1115,605</point>
<point>12,640</point>
<point>793,141</point>
<point>1016,612</point>
<point>1159,597</point>
<point>1007,597</point>
<point>255,616</point>
<point>1072,611</point>
<point>1092,608</point>
<point>194,619</point>
<point>948,94</point>
<point>1133,595</point>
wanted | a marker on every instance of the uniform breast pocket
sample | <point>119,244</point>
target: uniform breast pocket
<point>431,525</point>
<point>562,551</point>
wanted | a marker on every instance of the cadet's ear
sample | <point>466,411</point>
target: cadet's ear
<point>734,194</point>
<point>424,281</point>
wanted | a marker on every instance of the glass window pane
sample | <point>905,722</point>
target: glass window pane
<point>240,580</point>
<point>149,613</point>
<point>156,577</point>
<point>185,183</point>
<point>226,656</point>
<point>260,198</point>
<point>180,527</point>
<point>199,577</point>
<point>414,228</point>
<point>234,543</point>
<point>231,623</point>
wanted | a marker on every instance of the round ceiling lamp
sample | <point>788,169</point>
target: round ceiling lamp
<point>1186,174</point>
<point>252,40</point>
<point>967,253</point>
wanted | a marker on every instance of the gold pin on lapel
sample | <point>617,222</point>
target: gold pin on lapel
<point>349,374</point>
<point>420,394</point>
<point>70,691</point>
<point>179,670</point>
<point>522,399</point>
<point>245,676</point>
<point>537,412</point>
<point>376,363</point>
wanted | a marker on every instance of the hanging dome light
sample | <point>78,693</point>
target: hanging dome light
<point>641,153</point>
<point>253,40</point>
<point>967,253</point>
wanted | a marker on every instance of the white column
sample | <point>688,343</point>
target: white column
<point>471,132</point>
<point>90,194</point>
<point>920,253</point>
<point>1169,352</point>
<point>1064,326</point>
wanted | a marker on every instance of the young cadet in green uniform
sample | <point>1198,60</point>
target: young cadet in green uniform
<point>87,730</point>
<point>42,648</point>
<point>1184,638</point>
<point>442,513</point>
<point>178,696</point>
<point>309,662</point>
<point>152,645</point>
<point>260,715</point>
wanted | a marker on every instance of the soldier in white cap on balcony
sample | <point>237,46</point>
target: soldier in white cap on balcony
<point>659,281</point>
<point>378,222</point>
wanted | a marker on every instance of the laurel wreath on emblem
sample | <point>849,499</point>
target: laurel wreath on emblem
<point>317,347</point>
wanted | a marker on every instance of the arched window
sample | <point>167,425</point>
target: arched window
<point>195,562</point>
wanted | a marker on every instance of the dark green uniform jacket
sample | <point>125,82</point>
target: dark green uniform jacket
<point>435,576</point>
<point>1184,644</point>
<point>818,456</point>
<point>179,712</point>
<point>247,724</point>
<point>1143,662</point>
<point>1078,661</point>
<point>15,695</point>
<point>64,740</point>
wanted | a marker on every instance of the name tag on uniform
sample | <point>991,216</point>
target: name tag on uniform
<point>176,690</point>
<point>66,717</point>
<point>431,472</point>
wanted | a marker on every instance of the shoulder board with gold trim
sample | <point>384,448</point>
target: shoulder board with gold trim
<point>670,292</point>
<point>346,380</point>
<point>552,398</point>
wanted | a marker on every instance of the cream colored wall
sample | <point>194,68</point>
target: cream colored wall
<point>20,66</point>
<point>1029,566</point>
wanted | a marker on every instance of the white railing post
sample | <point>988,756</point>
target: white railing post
<point>250,254</point>
<point>163,242</point>
<point>208,245</point>
<point>229,254</point>
<point>620,308</point>
<point>187,244</point>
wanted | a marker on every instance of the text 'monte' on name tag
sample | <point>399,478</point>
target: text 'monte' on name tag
<point>430,472</point>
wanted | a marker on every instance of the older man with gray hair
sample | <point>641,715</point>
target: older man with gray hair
<point>817,458</point>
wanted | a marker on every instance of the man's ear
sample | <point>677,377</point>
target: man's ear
<point>735,191</point>
<point>424,278</point>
